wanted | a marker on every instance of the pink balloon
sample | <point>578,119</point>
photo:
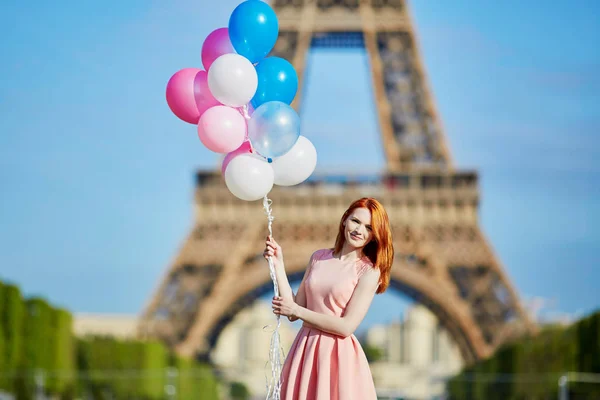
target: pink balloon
<point>215,45</point>
<point>245,148</point>
<point>222,129</point>
<point>188,95</point>
<point>202,95</point>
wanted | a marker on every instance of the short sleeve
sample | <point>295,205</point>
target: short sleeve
<point>363,267</point>
<point>316,256</point>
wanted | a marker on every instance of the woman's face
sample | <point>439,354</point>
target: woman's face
<point>357,228</point>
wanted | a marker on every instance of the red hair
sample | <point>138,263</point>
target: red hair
<point>380,249</point>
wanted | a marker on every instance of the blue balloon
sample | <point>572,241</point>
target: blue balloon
<point>273,129</point>
<point>253,29</point>
<point>277,81</point>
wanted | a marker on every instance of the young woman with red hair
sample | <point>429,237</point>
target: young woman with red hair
<point>326,361</point>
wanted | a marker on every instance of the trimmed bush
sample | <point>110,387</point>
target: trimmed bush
<point>239,391</point>
<point>37,338</point>
<point>195,380</point>
<point>539,361</point>
<point>62,353</point>
<point>12,318</point>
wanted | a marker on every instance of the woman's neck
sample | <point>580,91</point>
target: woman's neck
<point>350,253</point>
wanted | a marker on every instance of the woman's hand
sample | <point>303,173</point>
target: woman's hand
<point>286,307</point>
<point>273,249</point>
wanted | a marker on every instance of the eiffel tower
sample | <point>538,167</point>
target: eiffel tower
<point>443,259</point>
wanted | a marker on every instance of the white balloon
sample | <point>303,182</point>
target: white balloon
<point>232,80</point>
<point>297,164</point>
<point>249,177</point>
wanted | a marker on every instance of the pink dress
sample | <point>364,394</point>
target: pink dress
<point>320,365</point>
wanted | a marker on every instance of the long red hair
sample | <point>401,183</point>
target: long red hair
<point>380,250</point>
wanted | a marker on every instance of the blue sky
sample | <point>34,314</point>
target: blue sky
<point>96,174</point>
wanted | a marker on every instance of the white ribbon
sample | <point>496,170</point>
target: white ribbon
<point>276,354</point>
<point>275,351</point>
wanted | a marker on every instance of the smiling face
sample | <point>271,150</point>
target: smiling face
<point>357,228</point>
<point>365,228</point>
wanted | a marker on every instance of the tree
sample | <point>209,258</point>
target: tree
<point>239,391</point>
<point>373,353</point>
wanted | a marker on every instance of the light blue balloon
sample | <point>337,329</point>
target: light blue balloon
<point>253,29</point>
<point>273,129</point>
<point>277,81</point>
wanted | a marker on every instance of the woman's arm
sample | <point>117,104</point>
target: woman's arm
<point>343,326</point>
<point>285,290</point>
<point>300,297</point>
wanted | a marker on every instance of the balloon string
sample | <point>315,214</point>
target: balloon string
<point>247,117</point>
<point>245,109</point>
<point>275,352</point>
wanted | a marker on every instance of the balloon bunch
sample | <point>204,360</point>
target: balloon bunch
<point>241,105</point>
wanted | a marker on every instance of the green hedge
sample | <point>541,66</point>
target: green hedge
<point>4,382</point>
<point>140,370</point>
<point>36,352</point>
<point>126,369</point>
<point>239,391</point>
<point>37,338</point>
<point>12,310</point>
<point>62,353</point>
<point>530,368</point>
<point>194,379</point>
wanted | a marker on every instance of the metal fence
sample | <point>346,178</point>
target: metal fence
<point>570,378</point>
<point>104,384</point>
<point>569,386</point>
<point>566,386</point>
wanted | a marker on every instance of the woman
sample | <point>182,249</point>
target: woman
<point>326,361</point>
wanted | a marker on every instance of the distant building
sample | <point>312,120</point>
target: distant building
<point>122,326</point>
<point>242,350</point>
<point>418,356</point>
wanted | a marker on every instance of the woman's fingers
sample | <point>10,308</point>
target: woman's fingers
<point>269,250</point>
<point>273,246</point>
<point>272,242</point>
<point>278,306</point>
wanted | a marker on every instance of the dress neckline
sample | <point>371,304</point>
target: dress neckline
<point>357,260</point>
